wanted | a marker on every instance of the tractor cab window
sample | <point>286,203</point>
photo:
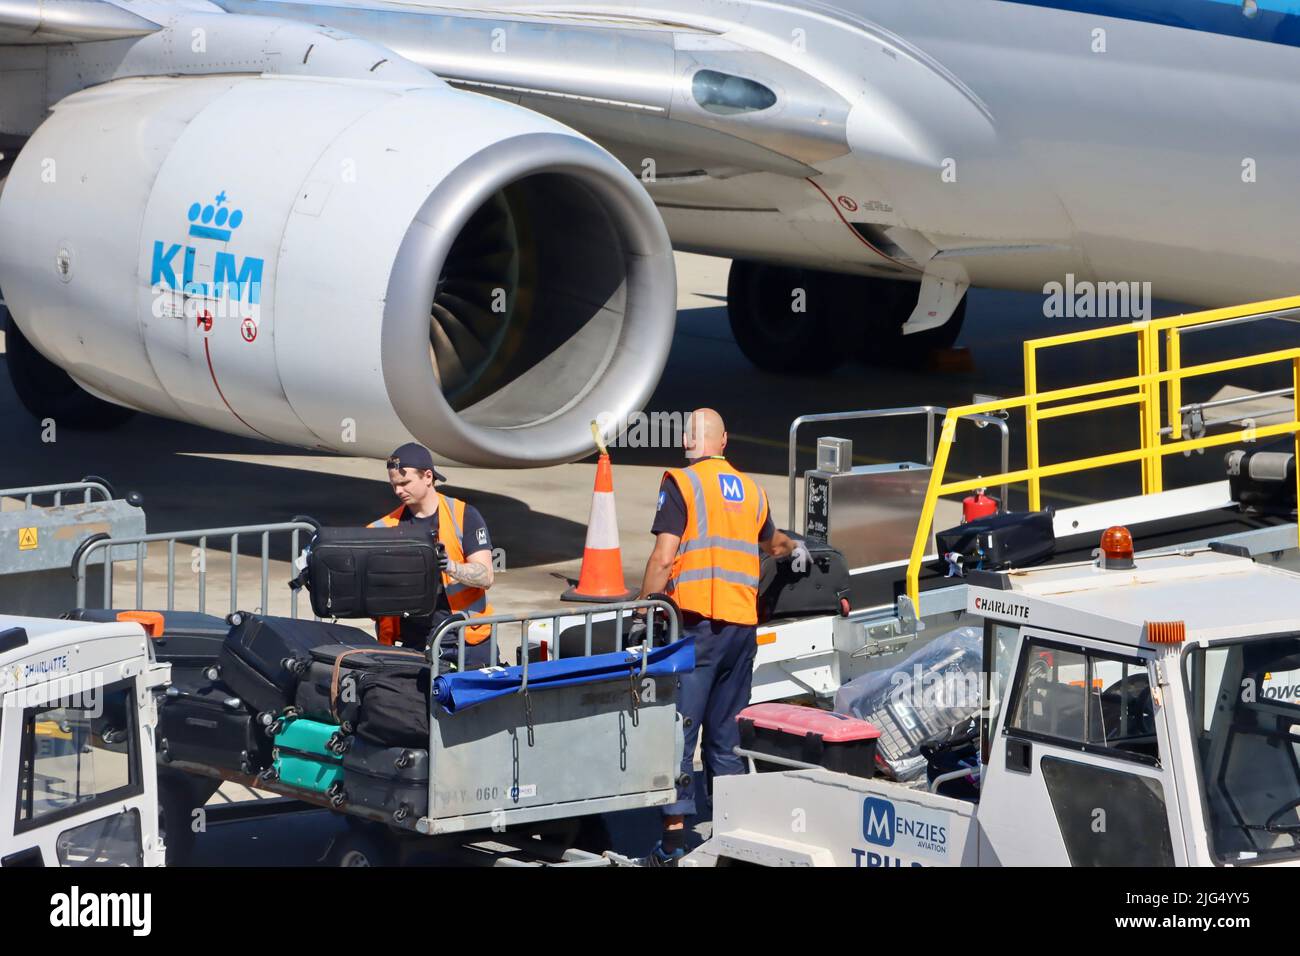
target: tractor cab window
<point>1246,722</point>
<point>78,754</point>
<point>1085,699</point>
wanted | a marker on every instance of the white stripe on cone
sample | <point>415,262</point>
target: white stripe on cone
<point>602,525</point>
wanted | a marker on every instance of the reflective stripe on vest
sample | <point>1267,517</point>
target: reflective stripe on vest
<point>460,597</point>
<point>715,573</point>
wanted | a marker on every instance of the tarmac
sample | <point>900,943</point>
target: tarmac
<point>195,478</point>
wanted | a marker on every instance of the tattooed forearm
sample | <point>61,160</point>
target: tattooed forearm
<point>471,573</point>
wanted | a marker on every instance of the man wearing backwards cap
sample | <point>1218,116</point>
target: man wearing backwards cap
<point>466,555</point>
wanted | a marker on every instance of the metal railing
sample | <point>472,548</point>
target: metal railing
<point>1142,390</point>
<point>931,412</point>
<point>457,624</point>
<point>201,536</point>
<point>1147,394</point>
<point>89,487</point>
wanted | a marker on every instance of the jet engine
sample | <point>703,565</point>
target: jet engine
<point>337,264</point>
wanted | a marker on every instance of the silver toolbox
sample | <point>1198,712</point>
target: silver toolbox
<point>869,512</point>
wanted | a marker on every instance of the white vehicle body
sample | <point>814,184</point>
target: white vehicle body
<point>1198,766</point>
<point>77,775</point>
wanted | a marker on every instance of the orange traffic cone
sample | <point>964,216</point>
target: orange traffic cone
<point>601,579</point>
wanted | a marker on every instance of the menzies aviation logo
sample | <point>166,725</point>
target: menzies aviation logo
<point>907,833</point>
<point>239,280</point>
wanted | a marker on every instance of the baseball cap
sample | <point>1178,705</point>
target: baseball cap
<point>414,455</point>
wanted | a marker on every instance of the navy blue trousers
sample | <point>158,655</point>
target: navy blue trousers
<point>709,699</point>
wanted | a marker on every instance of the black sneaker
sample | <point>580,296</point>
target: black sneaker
<point>658,857</point>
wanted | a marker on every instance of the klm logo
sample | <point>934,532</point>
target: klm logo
<point>240,280</point>
<point>732,488</point>
<point>879,821</point>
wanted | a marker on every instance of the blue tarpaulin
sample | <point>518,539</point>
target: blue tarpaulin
<point>457,692</point>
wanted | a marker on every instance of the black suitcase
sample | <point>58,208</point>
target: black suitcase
<point>392,779</point>
<point>822,588</point>
<point>207,724</point>
<point>190,641</point>
<point>956,748</point>
<point>393,707</point>
<point>1262,481</point>
<point>333,668</point>
<point>262,657</point>
<point>372,572</point>
<point>1005,540</point>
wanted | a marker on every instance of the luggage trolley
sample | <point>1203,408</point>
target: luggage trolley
<point>555,738</point>
<point>516,753</point>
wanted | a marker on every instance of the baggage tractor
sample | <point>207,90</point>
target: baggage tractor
<point>261,657</point>
<point>821,588</point>
<point>392,779</point>
<point>1006,540</point>
<point>809,735</point>
<point>372,572</point>
<point>306,756</point>
<point>1262,481</point>
<point>393,707</point>
<point>188,640</point>
<point>204,723</point>
<point>333,668</point>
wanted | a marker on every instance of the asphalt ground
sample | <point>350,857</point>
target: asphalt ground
<point>193,478</point>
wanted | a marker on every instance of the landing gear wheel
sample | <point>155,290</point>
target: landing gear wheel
<point>361,845</point>
<point>49,392</point>
<point>784,319</point>
<point>886,304</point>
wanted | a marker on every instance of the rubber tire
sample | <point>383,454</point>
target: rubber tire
<point>769,333</point>
<point>362,845</point>
<point>49,392</point>
<point>179,794</point>
<point>888,304</point>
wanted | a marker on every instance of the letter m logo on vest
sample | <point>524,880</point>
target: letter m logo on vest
<point>878,821</point>
<point>733,489</point>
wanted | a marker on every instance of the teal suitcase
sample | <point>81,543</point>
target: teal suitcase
<point>302,757</point>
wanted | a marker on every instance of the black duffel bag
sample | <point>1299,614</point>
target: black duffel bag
<point>392,708</point>
<point>788,591</point>
<point>372,572</point>
<point>1004,540</point>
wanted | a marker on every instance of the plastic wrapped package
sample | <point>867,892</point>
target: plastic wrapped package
<point>929,692</point>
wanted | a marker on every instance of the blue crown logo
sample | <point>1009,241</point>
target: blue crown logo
<point>214,221</point>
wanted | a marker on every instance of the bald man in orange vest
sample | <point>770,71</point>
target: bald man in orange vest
<point>711,523</point>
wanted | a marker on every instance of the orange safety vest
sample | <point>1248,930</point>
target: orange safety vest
<point>460,597</point>
<point>715,573</point>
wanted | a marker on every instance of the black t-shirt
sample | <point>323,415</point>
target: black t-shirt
<point>670,518</point>
<point>473,537</point>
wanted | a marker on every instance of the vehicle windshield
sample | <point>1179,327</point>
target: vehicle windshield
<point>1245,701</point>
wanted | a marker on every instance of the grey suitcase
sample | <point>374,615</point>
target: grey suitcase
<point>392,779</point>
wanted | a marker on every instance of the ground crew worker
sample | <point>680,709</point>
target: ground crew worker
<point>465,556</point>
<point>711,523</point>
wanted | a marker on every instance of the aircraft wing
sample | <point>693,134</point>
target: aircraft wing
<point>698,102</point>
<point>34,22</point>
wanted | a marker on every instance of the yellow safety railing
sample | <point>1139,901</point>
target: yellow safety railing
<point>1142,390</point>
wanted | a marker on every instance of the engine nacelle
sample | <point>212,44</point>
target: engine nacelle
<point>339,264</point>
